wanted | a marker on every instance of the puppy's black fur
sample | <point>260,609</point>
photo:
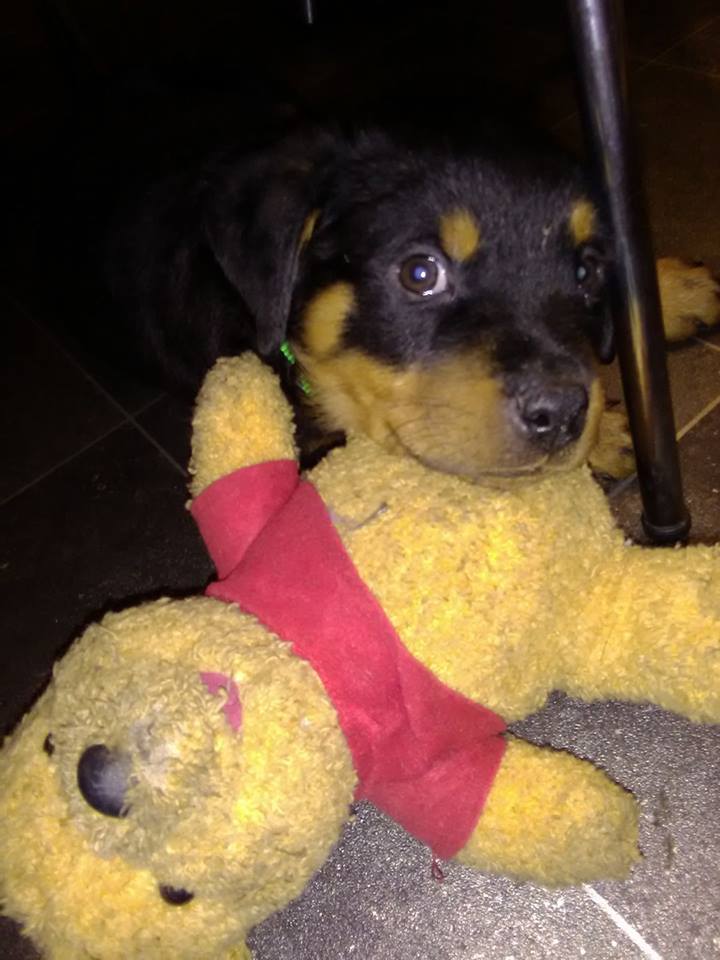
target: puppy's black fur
<point>446,300</point>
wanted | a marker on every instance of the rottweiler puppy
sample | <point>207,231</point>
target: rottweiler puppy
<point>448,301</point>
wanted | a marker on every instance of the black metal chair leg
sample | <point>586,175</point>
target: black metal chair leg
<point>308,12</point>
<point>597,31</point>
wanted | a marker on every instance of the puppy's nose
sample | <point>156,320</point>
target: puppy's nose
<point>553,415</point>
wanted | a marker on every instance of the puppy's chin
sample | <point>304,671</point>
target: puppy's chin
<point>502,477</point>
<point>452,415</point>
<point>502,461</point>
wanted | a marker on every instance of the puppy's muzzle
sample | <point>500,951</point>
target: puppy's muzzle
<point>550,414</point>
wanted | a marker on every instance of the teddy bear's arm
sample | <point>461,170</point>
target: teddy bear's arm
<point>241,418</point>
<point>649,630</point>
<point>553,819</point>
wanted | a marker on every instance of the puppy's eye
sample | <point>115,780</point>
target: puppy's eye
<point>424,275</point>
<point>590,272</point>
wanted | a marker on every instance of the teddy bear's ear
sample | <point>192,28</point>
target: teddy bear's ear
<point>241,418</point>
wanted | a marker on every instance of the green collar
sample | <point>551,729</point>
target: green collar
<point>287,351</point>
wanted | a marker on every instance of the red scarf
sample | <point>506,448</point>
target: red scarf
<point>423,753</point>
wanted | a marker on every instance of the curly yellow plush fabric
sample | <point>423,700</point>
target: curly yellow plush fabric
<point>240,820</point>
<point>509,594</point>
<point>504,594</point>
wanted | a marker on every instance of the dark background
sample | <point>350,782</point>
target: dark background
<point>92,490</point>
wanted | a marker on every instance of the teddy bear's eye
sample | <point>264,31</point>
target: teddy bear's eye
<point>175,896</point>
<point>49,745</point>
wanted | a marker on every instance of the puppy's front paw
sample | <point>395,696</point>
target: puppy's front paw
<point>612,456</point>
<point>690,298</point>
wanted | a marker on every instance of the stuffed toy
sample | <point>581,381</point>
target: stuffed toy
<point>372,629</point>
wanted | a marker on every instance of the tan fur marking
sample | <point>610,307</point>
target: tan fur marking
<point>459,234</point>
<point>690,298</point>
<point>325,317</point>
<point>613,454</point>
<point>451,414</point>
<point>582,221</point>
<point>308,228</point>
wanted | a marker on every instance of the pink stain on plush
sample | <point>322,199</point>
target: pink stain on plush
<point>215,682</point>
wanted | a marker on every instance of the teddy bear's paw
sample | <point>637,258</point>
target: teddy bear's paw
<point>241,418</point>
<point>613,456</point>
<point>554,819</point>
<point>689,296</point>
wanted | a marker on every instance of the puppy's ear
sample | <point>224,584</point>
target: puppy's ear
<point>258,208</point>
<point>604,335</point>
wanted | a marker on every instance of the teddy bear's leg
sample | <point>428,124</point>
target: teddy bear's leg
<point>554,819</point>
<point>649,630</point>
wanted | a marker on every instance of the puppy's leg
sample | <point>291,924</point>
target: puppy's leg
<point>690,301</point>
<point>612,456</point>
<point>689,296</point>
<point>554,819</point>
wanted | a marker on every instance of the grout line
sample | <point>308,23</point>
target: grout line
<point>644,62</point>
<point>61,463</point>
<point>127,416</point>
<point>697,418</point>
<point>687,36</point>
<point>159,447</point>
<point>622,924</point>
<point>622,485</point>
<point>682,67</point>
<point>707,343</point>
<point>130,418</point>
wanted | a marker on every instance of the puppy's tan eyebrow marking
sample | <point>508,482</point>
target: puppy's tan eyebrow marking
<point>582,222</point>
<point>459,234</point>
<point>324,318</point>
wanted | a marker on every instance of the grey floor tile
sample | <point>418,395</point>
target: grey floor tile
<point>105,530</point>
<point>376,899</point>
<point>694,370</point>
<point>700,465</point>
<point>169,422</point>
<point>49,409</point>
<point>700,51</point>
<point>678,116</point>
<point>673,768</point>
<point>653,27</point>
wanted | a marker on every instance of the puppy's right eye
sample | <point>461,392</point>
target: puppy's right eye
<point>424,275</point>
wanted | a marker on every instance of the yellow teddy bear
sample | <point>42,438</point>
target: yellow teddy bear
<point>192,762</point>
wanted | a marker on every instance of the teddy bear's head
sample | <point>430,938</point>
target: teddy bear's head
<point>181,778</point>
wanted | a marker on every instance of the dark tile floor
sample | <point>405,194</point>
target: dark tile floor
<point>92,516</point>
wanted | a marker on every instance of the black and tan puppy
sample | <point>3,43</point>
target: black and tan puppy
<point>447,302</point>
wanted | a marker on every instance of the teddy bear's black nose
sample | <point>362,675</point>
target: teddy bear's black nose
<point>103,776</point>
